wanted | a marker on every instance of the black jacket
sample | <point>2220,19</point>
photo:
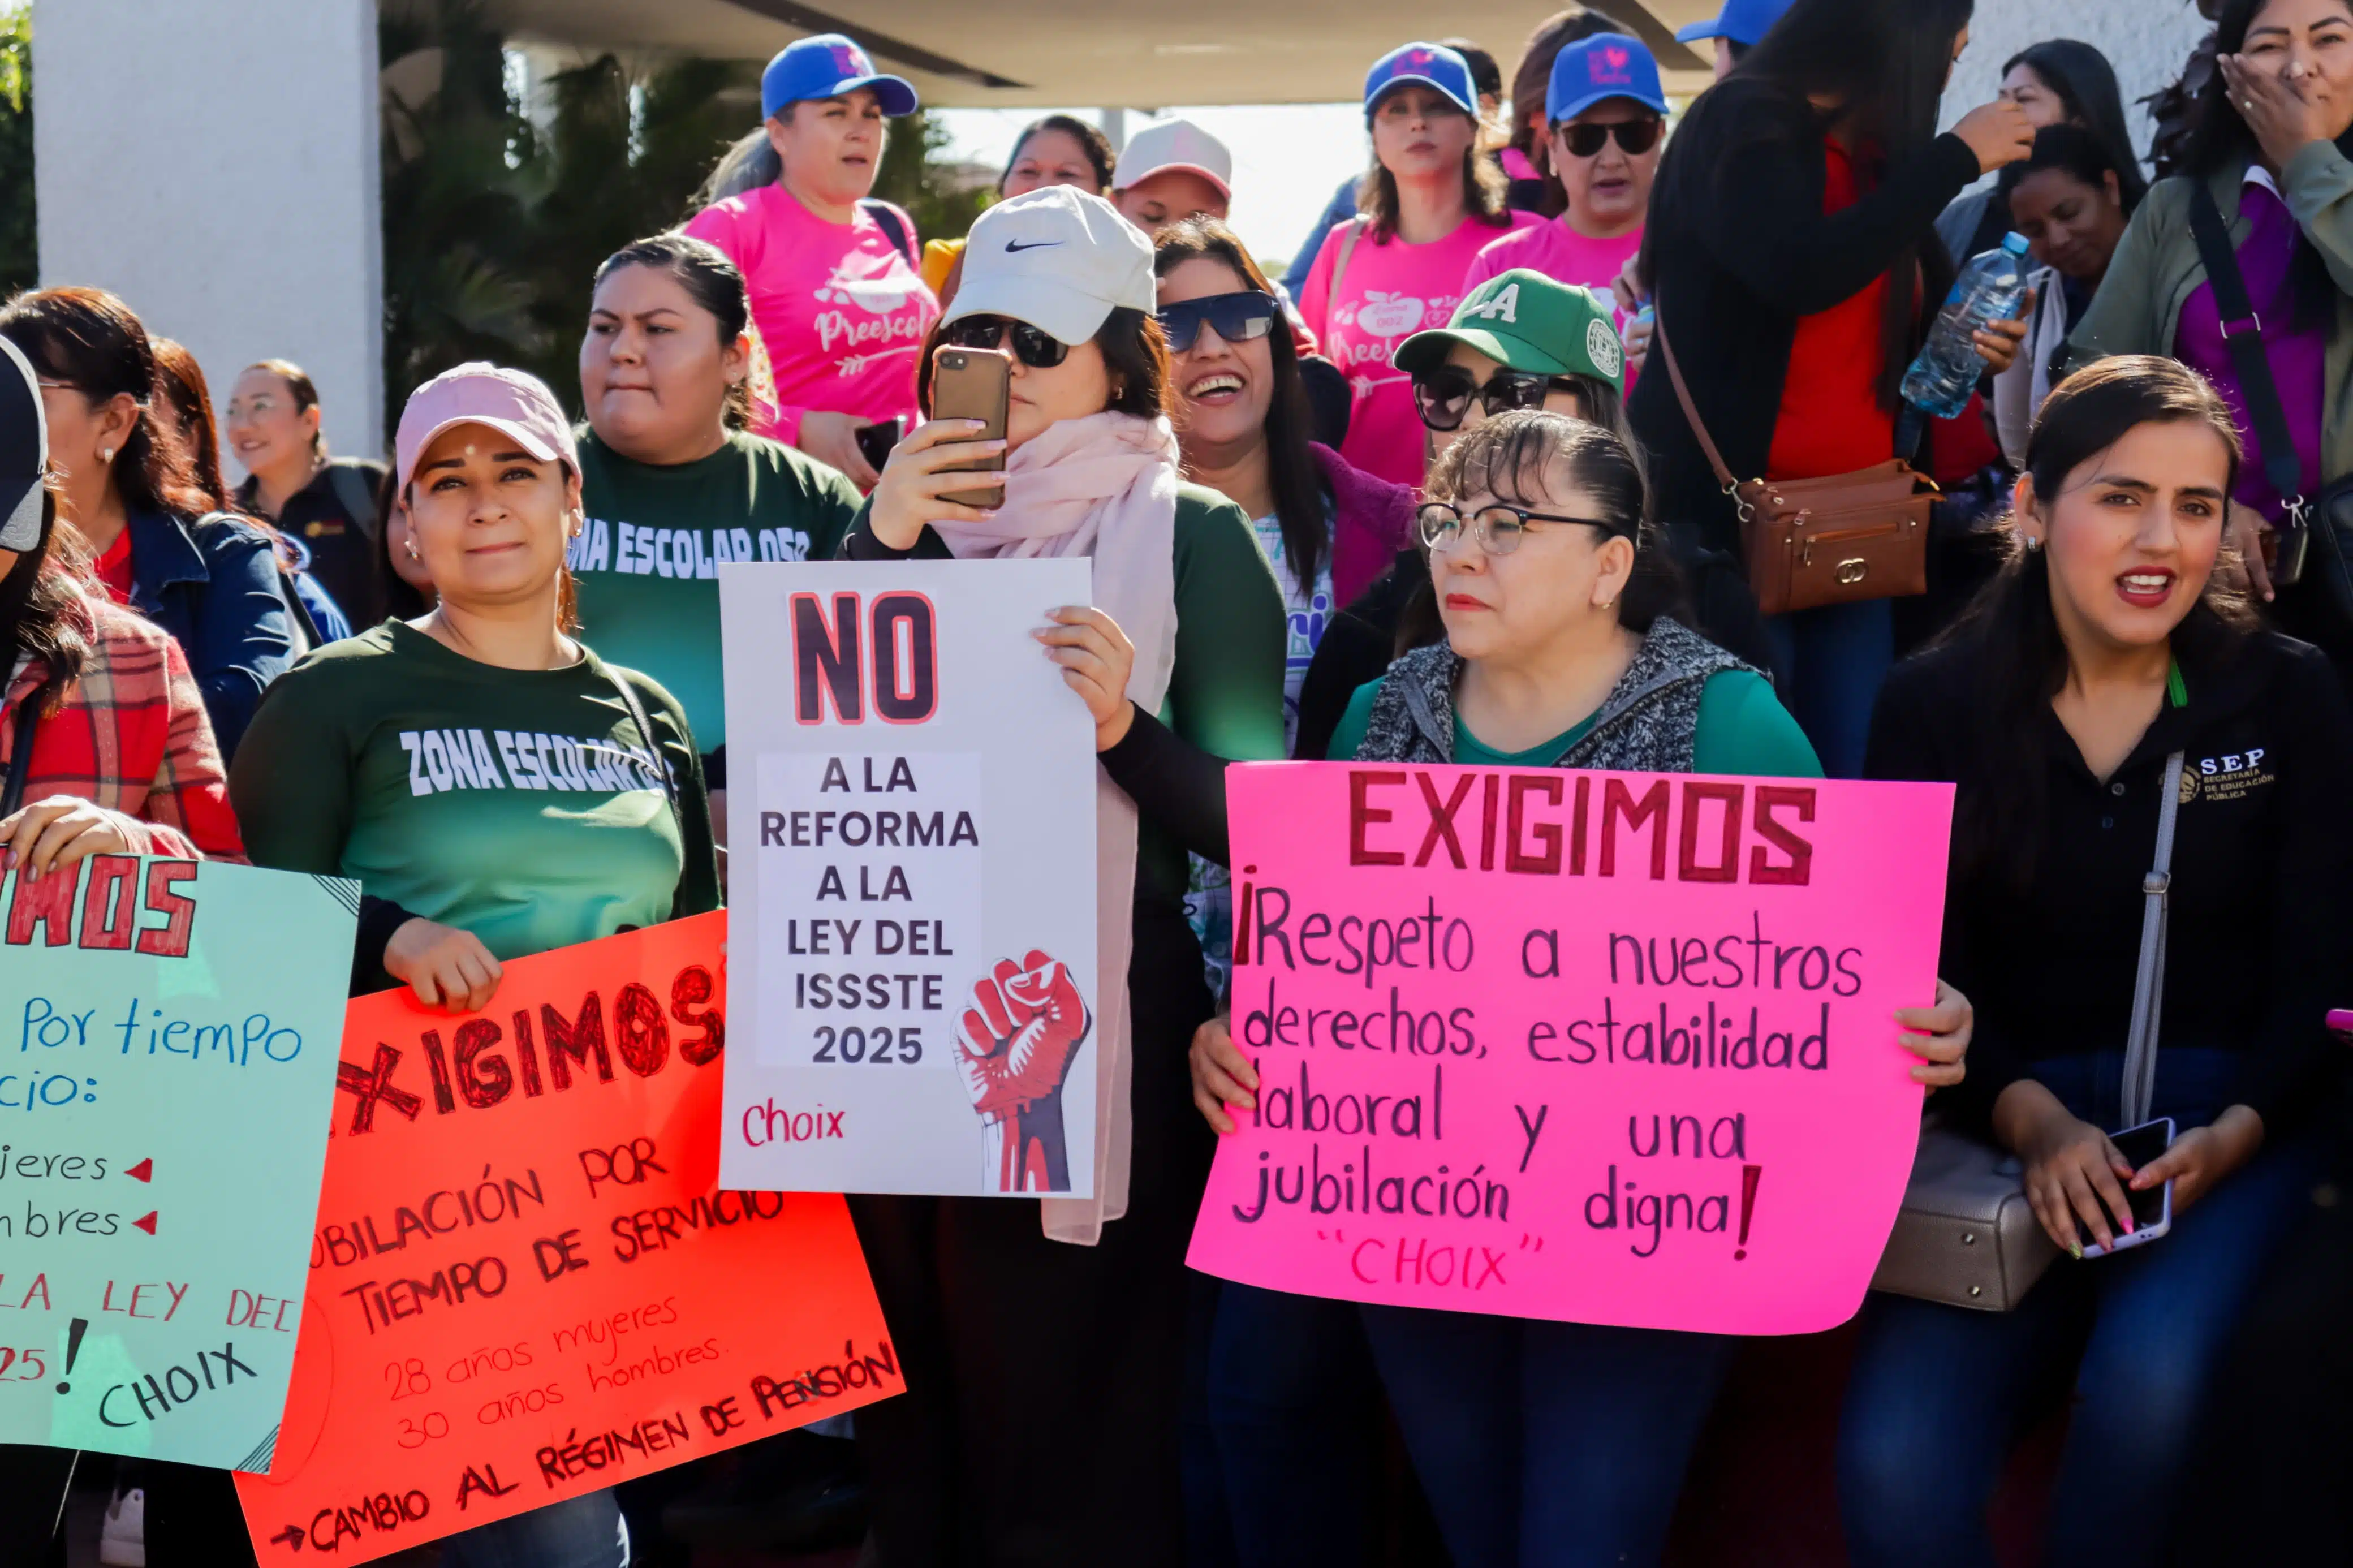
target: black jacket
<point>1738,247</point>
<point>2262,920</point>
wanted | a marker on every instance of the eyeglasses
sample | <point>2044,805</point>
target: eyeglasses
<point>1238,316</point>
<point>1443,395</point>
<point>1033,346</point>
<point>1636,136</point>
<point>1499,529</point>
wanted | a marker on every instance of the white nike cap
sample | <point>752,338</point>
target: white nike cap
<point>1056,258</point>
<point>1174,145</point>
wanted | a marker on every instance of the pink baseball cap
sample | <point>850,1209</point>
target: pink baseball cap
<point>513,402</point>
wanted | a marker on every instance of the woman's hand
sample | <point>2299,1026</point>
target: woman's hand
<point>2248,532</point>
<point>59,832</point>
<point>447,968</point>
<point>2202,1156</point>
<point>1998,342</point>
<point>2287,109</point>
<point>1096,658</point>
<point>908,494</point>
<point>2074,1176</point>
<point>833,439</point>
<point>1939,1037</point>
<point>1222,1076</point>
<point>1998,133</point>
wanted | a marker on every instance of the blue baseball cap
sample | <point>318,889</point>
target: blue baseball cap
<point>1607,64</point>
<point>1432,65</point>
<point>1742,21</point>
<point>829,65</point>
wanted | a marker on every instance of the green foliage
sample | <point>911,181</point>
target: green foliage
<point>20,252</point>
<point>913,175</point>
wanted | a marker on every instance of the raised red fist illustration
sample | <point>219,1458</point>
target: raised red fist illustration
<point>1014,1046</point>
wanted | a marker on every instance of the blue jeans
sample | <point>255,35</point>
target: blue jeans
<point>1939,1394</point>
<point>1831,662</point>
<point>1291,1388</point>
<point>1547,1445</point>
<point>578,1532</point>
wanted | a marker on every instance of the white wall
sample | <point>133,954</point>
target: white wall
<point>2145,40</point>
<point>215,165</point>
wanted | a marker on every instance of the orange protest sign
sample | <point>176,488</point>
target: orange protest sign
<point>525,1282</point>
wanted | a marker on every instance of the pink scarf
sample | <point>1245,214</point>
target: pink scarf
<point>1102,486</point>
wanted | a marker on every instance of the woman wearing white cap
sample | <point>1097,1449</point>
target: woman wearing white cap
<point>1046,1380</point>
<point>1170,172</point>
<point>836,291</point>
<point>496,788</point>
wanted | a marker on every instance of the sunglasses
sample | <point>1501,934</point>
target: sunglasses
<point>1443,395</point>
<point>1636,136</point>
<point>1441,525</point>
<point>1033,346</point>
<point>1238,318</point>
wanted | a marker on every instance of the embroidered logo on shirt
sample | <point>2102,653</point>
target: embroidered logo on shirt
<point>2230,776</point>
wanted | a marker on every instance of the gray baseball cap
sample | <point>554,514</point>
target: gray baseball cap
<point>23,451</point>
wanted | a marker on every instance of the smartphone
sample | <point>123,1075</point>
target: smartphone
<point>972,384</point>
<point>875,441</point>
<point>2152,1209</point>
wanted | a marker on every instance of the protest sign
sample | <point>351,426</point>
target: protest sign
<point>1604,1047</point>
<point>912,830</point>
<point>524,1281</point>
<point>167,1060</point>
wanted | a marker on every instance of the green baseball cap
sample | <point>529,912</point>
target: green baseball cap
<point>1528,322</point>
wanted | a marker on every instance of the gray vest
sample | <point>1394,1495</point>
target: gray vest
<point>1649,725</point>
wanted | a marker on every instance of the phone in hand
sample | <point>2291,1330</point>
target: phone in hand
<point>973,383</point>
<point>875,441</point>
<point>2152,1209</point>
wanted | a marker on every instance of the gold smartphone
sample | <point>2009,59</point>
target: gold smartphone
<point>973,383</point>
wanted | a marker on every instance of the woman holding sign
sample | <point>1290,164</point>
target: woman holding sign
<point>2105,654</point>
<point>497,788</point>
<point>1028,1359</point>
<point>1541,1442</point>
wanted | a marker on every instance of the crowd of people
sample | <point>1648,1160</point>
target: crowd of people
<point>1449,491</point>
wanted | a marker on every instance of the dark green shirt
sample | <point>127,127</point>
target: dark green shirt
<point>520,806</point>
<point>645,561</point>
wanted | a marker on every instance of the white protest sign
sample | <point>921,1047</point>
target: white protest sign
<point>911,881</point>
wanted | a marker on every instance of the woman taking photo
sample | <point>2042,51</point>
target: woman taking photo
<point>2072,202</point>
<point>836,295</point>
<point>2269,155</point>
<point>671,480</point>
<point>1431,199</point>
<point>1546,1443</point>
<point>2103,658</point>
<point>327,503</point>
<point>1180,674</point>
<point>486,864</point>
<point>128,497</point>
<point>2060,82</point>
<point>1791,248</point>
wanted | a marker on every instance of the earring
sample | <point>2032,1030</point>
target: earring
<point>412,550</point>
<point>2034,542</point>
<point>106,453</point>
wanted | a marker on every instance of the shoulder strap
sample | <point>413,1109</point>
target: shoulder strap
<point>20,757</point>
<point>1357,227</point>
<point>2149,982</point>
<point>630,701</point>
<point>353,491</point>
<point>2242,331</point>
<point>1691,410</point>
<point>888,216</point>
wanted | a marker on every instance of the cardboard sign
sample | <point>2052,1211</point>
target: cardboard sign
<point>168,1032</point>
<point>913,836</point>
<point>525,1282</point>
<point>1604,1047</point>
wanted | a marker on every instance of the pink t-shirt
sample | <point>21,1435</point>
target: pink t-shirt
<point>1557,251</point>
<point>1391,291</point>
<point>839,309</point>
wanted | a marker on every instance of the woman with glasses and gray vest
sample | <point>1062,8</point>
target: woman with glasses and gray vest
<point>1539,1442</point>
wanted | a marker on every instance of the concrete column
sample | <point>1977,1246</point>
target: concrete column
<point>215,165</point>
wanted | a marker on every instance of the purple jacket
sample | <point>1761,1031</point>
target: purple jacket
<point>1372,520</point>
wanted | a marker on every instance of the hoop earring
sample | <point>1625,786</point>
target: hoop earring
<point>411,544</point>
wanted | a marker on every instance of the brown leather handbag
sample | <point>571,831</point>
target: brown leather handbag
<point>1830,541</point>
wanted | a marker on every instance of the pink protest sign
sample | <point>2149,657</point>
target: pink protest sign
<point>1605,1047</point>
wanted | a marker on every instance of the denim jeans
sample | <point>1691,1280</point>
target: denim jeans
<point>1547,1445</point>
<point>578,1532</point>
<point>1830,663</point>
<point>1939,1394</point>
<point>1291,1404</point>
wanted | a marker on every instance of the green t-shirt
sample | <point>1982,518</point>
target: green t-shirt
<point>520,806</point>
<point>1742,729</point>
<point>647,558</point>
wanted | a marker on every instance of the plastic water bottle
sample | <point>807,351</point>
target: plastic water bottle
<point>1990,288</point>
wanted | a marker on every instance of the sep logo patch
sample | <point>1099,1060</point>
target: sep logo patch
<point>2230,776</point>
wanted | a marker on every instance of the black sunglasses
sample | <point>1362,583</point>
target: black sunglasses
<point>1442,396</point>
<point>1238,318</point>
<point>1033,346</point>
<point>1636,136</point>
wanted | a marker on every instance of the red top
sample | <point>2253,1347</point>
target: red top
<point>1831,420</point>
<point>114,568</point>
